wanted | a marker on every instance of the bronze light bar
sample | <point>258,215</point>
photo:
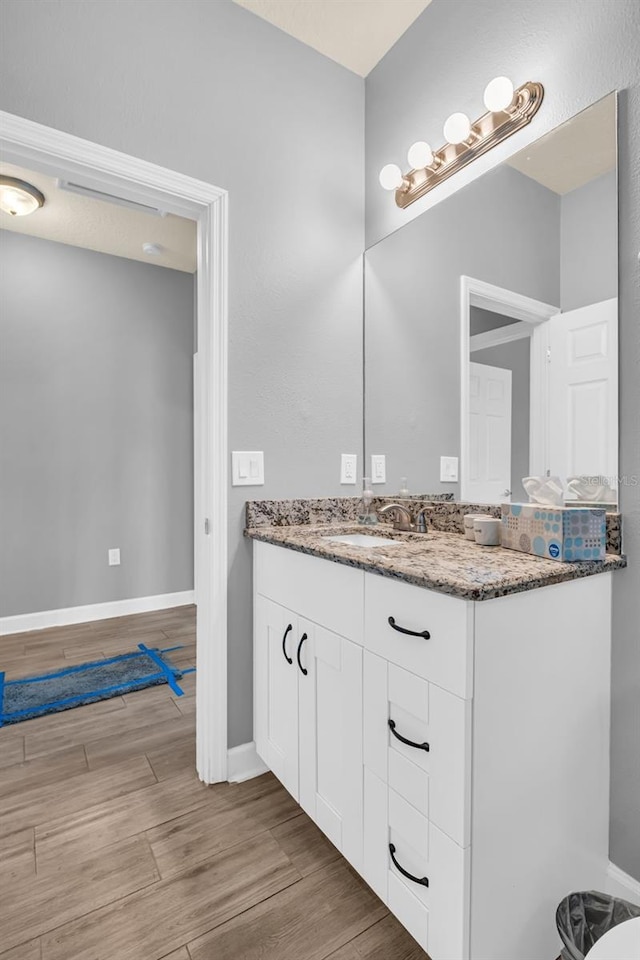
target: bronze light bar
<point>487,132</point>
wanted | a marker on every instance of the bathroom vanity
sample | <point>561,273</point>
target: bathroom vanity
<point>441,711</point>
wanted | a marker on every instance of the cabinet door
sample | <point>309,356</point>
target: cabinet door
<point>330,699</point>
<point>276,690</point>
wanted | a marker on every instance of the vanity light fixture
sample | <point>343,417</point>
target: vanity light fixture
<point>508,110</point>
<point>19,198</point>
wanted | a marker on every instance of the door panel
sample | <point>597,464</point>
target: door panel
<point>489,433</point>
<point>276,691</point>
<point>330,701</point>
<point>584,391</point>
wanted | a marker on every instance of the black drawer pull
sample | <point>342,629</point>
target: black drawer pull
<point>423,881</point>
<point>284,640</point>
<point>409,633</point>
<point>409,743</point>
<point>302,640</point>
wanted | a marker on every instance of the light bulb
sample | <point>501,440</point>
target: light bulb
<point>457,128</point>
<point>498,94</point>
<point>420,155</point>
<point>390,177</point>
<point>19,198</point>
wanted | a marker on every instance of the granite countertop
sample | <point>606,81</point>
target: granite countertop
<point>445,562</point>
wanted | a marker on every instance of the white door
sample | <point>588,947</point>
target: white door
<point>583,377</point>
<point>276,691</point>
<point>330,703</point>
<point>489,434</point>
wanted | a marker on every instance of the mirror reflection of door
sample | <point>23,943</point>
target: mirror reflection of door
<point>489,433</point>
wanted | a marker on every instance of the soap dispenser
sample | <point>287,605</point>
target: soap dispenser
<point>404,487</point>
<point>368,514</point>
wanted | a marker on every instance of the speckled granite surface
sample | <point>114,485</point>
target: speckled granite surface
<point>444,514</point>
<point>444,562</point>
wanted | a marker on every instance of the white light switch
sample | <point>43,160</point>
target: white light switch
<point>448,469</point>
<point>348,468</point>
<point>114,557</point>
<point>247,468</point>
<point>378,468</point>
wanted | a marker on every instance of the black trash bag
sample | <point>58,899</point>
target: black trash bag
<point>582,918</point>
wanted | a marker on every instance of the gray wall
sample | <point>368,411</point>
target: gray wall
<point>96,426</point>
<point>589,243</point>
<point>580,52</point>
<point>503,229</point>
<point>210,90</point>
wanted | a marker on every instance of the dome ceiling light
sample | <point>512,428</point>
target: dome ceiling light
<point>19,198</point>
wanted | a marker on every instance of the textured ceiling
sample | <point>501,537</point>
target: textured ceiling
<point>576,152</point>
<point>355,33</point>
<point>99,225</point>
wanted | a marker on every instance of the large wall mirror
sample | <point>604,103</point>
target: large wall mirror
<point>491,327</point>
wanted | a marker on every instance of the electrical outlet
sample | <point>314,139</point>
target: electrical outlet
<point>348,468</point>
<point>114,556</point>
<point>378,468</point>
<point>448,469</point>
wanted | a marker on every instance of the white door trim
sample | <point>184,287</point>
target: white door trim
<point>478,293</point>
<point>43,148</point>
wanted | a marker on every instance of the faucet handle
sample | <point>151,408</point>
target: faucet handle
<point>420,520</point>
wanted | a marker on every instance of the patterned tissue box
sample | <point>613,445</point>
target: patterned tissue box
<point>557,533</point>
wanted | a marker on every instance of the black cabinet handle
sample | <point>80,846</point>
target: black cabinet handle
<point>409,633</point>
<point>284,640</point>
<point>302,640</point>
<point>409,743</point>
<point>423,881</point>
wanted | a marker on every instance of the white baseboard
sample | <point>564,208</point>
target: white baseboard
<point>243,763</point>
<point>95,611</point>
<point>620,884</point>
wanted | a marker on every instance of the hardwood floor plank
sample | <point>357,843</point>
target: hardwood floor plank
<point>63,721</point>
<point>148,924</point>
<point>45,903</point>
<point>115,726</point>
<point>181,954</point>
<point>305,844</point>
<point>11,749</point>
<point>42,771</point>
<point>383,940</point>
<point>202,834</point>
<point>32,807</point>
<point>304,922</point>
<point>73,837</point>
<point>26,951</point>
<point>17,859</point>
<point>163,723</point>
<point>175,756</point>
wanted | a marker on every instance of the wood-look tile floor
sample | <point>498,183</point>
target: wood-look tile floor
<point>111,848</point>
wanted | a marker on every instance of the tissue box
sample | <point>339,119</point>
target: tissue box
<point>557,533</point>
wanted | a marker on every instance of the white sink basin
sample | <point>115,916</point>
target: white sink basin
<point>363,540</point>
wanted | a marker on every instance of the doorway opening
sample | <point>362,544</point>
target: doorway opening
<point>100,169</point>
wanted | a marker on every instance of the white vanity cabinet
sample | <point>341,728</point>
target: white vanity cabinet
<point>308,692</point>
<point>456,752</point>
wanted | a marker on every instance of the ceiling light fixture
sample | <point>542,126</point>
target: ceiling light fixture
<point>508,111</point>
<point>19,198</point>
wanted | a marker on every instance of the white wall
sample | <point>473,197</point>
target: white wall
<point>210,90</point>
<point>580,51</point>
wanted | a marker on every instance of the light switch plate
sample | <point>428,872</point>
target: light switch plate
<point>348,468</point>
<point>247,468</point>
<point>378,468</point>
<point>448,469</point>
<point>114,556</point>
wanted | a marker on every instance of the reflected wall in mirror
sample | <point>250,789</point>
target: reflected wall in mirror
<point>491,326</point>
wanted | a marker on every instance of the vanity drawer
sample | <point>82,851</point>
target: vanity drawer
<point>327,593</point>
<point>437,781</point>
<point>445,658</point>
<point>436,915</point>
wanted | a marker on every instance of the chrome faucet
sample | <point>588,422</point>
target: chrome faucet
<point>401,516</point>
